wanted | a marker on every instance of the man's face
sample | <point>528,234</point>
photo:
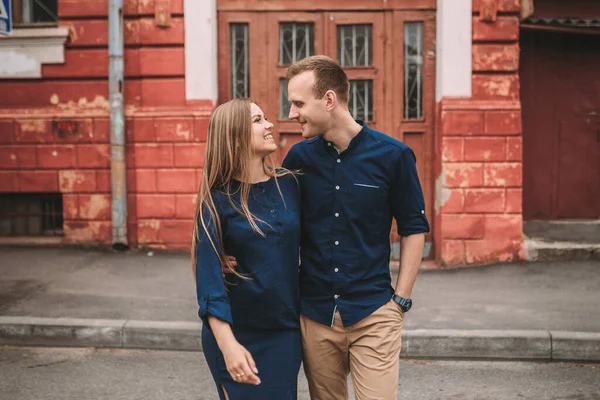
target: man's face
<point>310,113</point>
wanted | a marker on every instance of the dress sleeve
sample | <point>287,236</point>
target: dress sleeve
<point>210,287</point>
<point>408,205</point>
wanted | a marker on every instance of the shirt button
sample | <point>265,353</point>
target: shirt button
<point>336,270</point>
<point>337,215</point>
<point>337,188</point>
<point>339,161</point>
<point>329,144</point>
<point>264,190</point>
<point>336,296</point>
<point>337,243</point>
<point>272,211</point>
<point>422,211</point>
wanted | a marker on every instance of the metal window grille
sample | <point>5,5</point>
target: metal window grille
<point>240,74</point>
<point>32,214</point>
<point>360,102</point>
<point>284,104</point>
<point>355,45</point>
<point>413,70</point>
<point>296,41</point>
<point>38,12</point>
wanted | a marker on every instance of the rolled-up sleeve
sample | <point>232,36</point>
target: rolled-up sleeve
<point>210,287</point>
<point>408,204</point>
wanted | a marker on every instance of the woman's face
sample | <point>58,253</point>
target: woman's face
<point>263,142</point>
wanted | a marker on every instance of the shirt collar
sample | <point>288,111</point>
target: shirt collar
<point>328,146</point>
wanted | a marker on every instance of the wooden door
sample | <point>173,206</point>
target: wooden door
<point>561,108</point>
<point>411,100</point>
<point>242,59</point>
<point>387,54</point>
<point>362,58</point>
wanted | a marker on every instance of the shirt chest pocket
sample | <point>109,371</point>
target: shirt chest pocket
<point>369,206</point>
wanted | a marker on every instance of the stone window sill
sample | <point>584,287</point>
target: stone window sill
<point>24,52</point>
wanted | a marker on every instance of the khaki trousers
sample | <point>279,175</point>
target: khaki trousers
<point>368,350</point>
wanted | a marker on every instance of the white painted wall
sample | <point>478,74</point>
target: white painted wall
<point>24,52</point>
<point>201,71</point>
<point>453,48</point>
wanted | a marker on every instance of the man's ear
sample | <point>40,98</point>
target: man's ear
<point>331,100</point>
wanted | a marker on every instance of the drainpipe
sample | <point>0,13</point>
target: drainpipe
<point>118,171</point>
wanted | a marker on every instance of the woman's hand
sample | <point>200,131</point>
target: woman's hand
<point>240,364</point>
<point>239,361</point>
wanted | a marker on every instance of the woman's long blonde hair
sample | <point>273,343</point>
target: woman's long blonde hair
<point>228,155</point>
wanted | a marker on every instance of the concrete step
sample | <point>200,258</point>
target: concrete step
<point>577,231</point>
<point>541,250</point>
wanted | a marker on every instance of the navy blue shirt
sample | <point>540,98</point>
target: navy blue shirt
<point>269,299</point>
<point>348,201</point>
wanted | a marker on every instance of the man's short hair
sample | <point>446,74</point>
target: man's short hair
<point>328,76</point>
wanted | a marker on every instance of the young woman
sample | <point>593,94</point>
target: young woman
<point>250,210</point>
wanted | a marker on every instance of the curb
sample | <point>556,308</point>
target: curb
<point>420,343</point>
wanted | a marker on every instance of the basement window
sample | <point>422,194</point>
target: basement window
<point>31,214</point>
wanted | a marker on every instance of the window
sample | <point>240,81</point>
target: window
<point>413,70</point>
<point>296,41</point>
<point>35,214</point>
<point>35,12</point>
<point>360,102</point>
<point>355,45</point>
<point>284,104</point>
<point>240,74</point>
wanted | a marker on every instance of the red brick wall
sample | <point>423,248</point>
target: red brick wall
<point>165,134</point>
<point>480,186</point>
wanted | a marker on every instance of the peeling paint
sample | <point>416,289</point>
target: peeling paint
<point>32,125</point>
<point>97,102</point>
<point>442,195</point>
<point>68,179</point>
<point>181,132</point>
<point>82,232</point>
<point>73,33</point>
<point>283,142</point>
<point>95,207</point>
<point>148,231</point>
<point>500,88</point>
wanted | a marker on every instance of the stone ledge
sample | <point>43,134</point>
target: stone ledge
<point>24,52</point>
<point>421,343</point>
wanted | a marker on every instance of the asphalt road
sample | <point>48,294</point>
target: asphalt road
<point>92,374</point>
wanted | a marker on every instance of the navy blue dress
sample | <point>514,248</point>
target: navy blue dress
<point>264,310</point>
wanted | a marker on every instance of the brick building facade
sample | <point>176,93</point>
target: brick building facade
<point>480,137</point>
<point>55,130</point>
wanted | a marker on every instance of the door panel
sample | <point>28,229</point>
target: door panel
<point>254,54</point>
<point>411,102</point>
<point>561,101</point>
<point>287,36</point>
<point>371,48</point>
<point>578,169</point>
<point>356,41</point>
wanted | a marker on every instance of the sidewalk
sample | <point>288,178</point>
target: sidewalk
<point>77,297</point>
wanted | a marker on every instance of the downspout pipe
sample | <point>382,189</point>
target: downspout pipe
<point>118,169</point>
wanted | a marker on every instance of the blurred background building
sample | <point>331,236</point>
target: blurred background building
<point>499,99</point>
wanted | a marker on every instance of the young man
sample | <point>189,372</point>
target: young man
<point>354,180</point>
